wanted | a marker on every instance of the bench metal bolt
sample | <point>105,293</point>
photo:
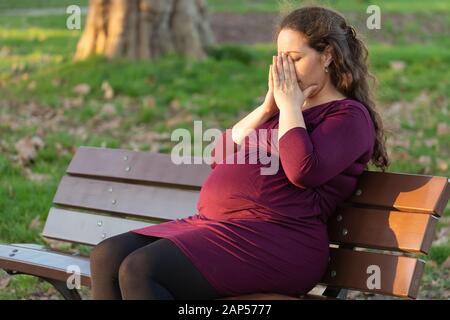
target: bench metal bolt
<point>103,235</point>
<point>333,273</point>
<point>114,201</point>
<point>358,192</point>
<point>125,158</point>
<point>99,223</point>
<point>110,189</point>
<point>344,232</point>
<point>128,168</point>
<point>339,218</point>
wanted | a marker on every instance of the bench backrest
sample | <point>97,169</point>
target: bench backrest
<point>111,191</point>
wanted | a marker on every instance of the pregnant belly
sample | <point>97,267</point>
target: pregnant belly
<point>229,191</point>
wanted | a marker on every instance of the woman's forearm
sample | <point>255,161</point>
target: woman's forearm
<point>255,118</point>
<point>290,117</point>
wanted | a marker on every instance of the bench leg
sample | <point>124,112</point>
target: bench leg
<point>60,286</point>
<point>335,293</point>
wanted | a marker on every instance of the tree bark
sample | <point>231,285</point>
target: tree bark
<point>145,29</point>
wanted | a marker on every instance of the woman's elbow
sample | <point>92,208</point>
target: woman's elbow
<point>302,180</point>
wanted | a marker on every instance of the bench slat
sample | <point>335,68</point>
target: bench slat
<point>382,229</point>
<point>86,228</point>
<point>405,192</point>
<point>371,228</point>
<point>43,263</point>
<point>162,202</point>
<point>399,275</point>
<point>136,166</point>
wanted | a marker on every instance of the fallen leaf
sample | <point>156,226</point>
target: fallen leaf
<point>35,224</point>
<point>443,129</point>
<point>27,148</point>
<point>149,102</point>
<point>69,103</point>
<point>442,236</point>
<point>431,142</point>
<point>57,245</point>
<point>109,109</point>
<point>4,281</point>
<point>56,82</point>
<point>108,91</point>
<point>425,160</point>
<point>82,89</point>
<point>32,85</point>
<point>397,65</point>
<point>446,264</point>
<point>442,165</point>
<point>175,105</point>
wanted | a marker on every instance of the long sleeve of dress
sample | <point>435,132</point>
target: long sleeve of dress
<point>223,147</point>
<point>309,160</point>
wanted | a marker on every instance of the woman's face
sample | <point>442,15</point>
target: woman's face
<point>309,63</point>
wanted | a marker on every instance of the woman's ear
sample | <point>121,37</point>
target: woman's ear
<point>326,56</point>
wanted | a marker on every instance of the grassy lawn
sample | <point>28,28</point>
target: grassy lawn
<point>38,97</point>
<point>398,6</point>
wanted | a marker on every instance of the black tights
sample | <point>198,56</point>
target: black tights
<point>134,266</point>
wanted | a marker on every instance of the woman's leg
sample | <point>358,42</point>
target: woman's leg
<point>161,271</point>
<point>105,261</point>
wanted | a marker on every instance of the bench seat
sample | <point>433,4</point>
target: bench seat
<point>389,222</point>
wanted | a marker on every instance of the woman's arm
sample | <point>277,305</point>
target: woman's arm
<point>230,140</point>
<point>310,160</point>
<point>254,119</point>
<point>258,116</point>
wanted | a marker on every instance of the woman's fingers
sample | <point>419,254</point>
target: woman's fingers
<point>280,69</point>
<point>293,74</point>
<point>286,72</point>
<point>276,79</point>
<point>270,78</point>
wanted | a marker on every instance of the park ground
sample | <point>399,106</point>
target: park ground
<point>52,104</point>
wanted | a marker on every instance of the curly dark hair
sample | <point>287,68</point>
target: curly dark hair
<point>325,28</point>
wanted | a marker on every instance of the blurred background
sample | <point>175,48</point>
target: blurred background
<point>63,87</point>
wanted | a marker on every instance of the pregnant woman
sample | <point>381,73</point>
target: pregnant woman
<point>265,233</point>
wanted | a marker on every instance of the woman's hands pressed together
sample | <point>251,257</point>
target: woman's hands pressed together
<point>287,94</point>
<point>286,90</point>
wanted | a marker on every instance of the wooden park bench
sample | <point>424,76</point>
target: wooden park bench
<point>388,223</point>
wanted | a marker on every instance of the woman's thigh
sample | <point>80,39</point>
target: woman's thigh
<point>163,262</point>
<point>110,253</point>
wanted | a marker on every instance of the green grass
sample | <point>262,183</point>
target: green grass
<point>26,4</point>
<point>37,67</point>
<point>397,6</point>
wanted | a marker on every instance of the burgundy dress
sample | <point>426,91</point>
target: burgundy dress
<point>267,233</point>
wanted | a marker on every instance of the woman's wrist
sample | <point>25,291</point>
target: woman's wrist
<point>267,112</point>
<point>268,109</point>
<point>290,117</point>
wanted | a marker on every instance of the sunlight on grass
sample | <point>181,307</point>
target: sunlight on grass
<point>38,79</point>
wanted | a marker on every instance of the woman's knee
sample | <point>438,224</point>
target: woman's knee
<point>133,269</point>
<point>114,249</point>
<point>105,254</point>
<point>149,262</point>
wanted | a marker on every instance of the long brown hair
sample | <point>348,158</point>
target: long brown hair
<point>348,71</point>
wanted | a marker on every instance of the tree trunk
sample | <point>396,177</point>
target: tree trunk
<point>145,29</point>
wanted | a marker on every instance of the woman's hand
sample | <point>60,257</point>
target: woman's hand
<point>269,104</point>
<point>286,91</point>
